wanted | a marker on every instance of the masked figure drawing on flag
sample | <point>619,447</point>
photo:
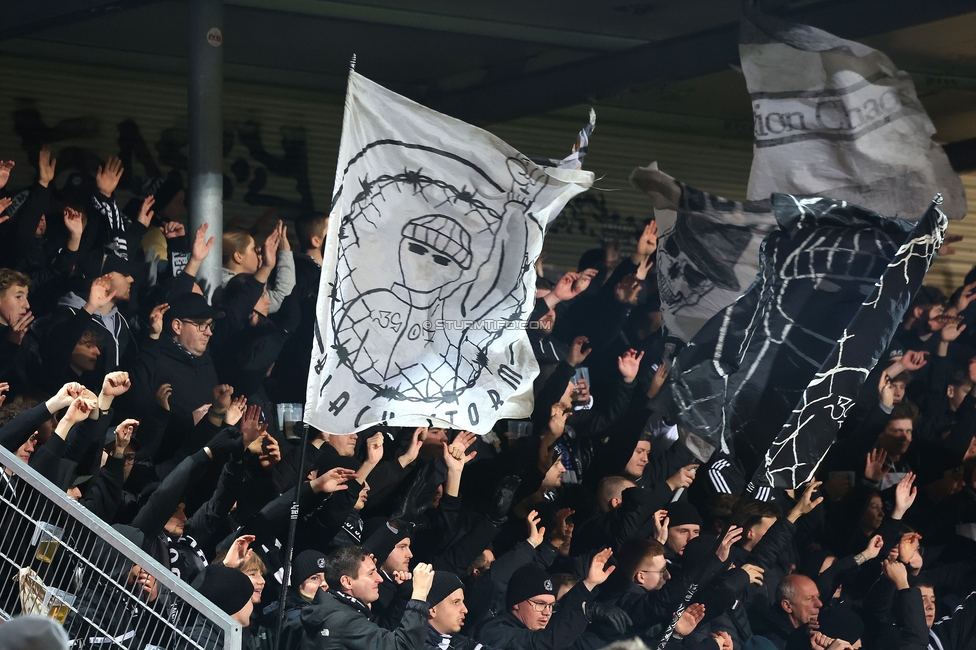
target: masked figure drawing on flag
<point>428,270</point>
<point>708,248</point>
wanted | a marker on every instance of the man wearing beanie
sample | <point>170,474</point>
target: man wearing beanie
<point>684,525</point>
<point>230,591</point>
<point>530,622</point>
<point>389,543</point>
<point>32,633</point>
<point>447,610</point>
<point>341,618</point>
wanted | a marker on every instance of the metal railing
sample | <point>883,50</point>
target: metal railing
<point>58,559</point>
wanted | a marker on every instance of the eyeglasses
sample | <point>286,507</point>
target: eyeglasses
<point>660,572</point>
<point>542,607</point>
<point>200,327</point>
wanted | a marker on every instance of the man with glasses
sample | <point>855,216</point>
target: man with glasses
<point>177,373</point>
<point>531,622</point>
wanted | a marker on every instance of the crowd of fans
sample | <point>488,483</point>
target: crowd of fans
<point>586,524</point>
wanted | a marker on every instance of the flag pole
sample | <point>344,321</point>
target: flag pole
<point>290,543</point>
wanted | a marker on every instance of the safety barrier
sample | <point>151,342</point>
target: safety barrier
<point>58,559</point>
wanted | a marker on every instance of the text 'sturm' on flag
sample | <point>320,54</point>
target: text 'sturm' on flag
<point>428,277</point>
<point>708,248</point>
<point>837,119</point>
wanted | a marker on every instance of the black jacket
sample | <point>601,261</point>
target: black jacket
<point>568,623</point>
<point>335,621</point>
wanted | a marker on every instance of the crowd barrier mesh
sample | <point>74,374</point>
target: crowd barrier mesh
<point>58,559</point>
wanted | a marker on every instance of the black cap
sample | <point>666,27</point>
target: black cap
<point>682,513</point>
<point>228,589</point>
<point>840,623</point>
<point>305,565</point>
<point>191,306</point>
<point>527,582</point>
<point>380,536</point>
<point>445,583</point>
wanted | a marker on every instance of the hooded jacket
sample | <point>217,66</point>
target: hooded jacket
<point>337,621</point>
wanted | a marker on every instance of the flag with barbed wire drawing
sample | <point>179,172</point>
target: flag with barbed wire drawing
<point>428,280</point>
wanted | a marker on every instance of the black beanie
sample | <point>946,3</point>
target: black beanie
<point>682,513</point>
<point>305,565</point>
<point>445,583</point>
<point>840,623</point>
<point>228,589</point>
<point>380,537</point>
<point>528,582</point>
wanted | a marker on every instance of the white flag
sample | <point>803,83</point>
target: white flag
<point>836,118</point>
<point>428,275</point>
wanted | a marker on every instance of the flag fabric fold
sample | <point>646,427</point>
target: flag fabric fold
<point>796,452</point>
<point>708,248</point>
<point>743,374</point>
<point>428,275</point>
<point>836,118</point>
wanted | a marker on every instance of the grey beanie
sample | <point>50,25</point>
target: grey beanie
<point>32,633</point>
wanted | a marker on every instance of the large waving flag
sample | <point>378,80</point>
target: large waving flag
<point>742,376</point>
<point>836,118</point>
<point>708,248</point>
<point>428,274</point>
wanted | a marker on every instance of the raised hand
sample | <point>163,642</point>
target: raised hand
<point>905,494</point>
<point>410,455</point>
<point>576,354</point>
<point>251,426</point>
<point>583,281</point>
<point>5,202</point>
<point>201,245</point>
<point>145,211</point>
<point>18,328</point>
<point>967,295</point>
<point>163,394</point>
<point>333,481</point>
<point>690,618</point>
<point>946,247</point>
<point>913,360</point>
<point>124,432</point>
<point>886,393</point>
<point>101,294</point>
<point>628,364</point>
<point>647,243</point>
<point>374,448</point>
<point>222,395</point>
<point>456,463</point>
<point>270,250</point>
<point>536,534</point>
<point>565,288</point>
<point>4,387</point>
<point>658,380</point>
<point>896,572</point>
<point>115,384</point>
<point>108,176</point>
<point>754,572</point>
<point>270,452</point>
<point>45,167</point>
<point>684,477</point>
<point>5,167</point>
<point>627,290</point>
<point>873,548</point>
<point>644,267</point>
<point>173,229</point>
<point>423,578</point>
<point>283,236</point>
<point>599,571</point>
<point>236,411</point>
<point>156,320</point>
<point>462,441</point>
<point>953,329</point>
<point>807,503</point>
<point>238,552</point>
<point>874,466</point>
<point>661,521</point>
<point>80,409</point>
<point>65,396</point>
<point>733,535</point>
<point>73,222</point>
<point>562,533</point>
<point>723,640</point>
